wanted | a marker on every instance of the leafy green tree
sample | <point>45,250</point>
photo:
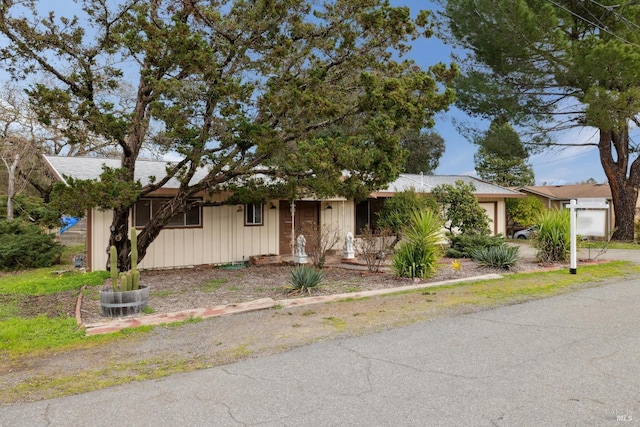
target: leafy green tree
<point>31,209</point>
<point>398,210</point>
<point>292,91</point>
<point>501,158</point>
<point>461,209</point>
<point>524,211</point>
<point>424,151</point>
<point>552,65</point>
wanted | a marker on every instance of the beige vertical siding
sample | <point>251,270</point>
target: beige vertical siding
<point>341,216</point>
<point>223,238</point>
<point>99,229</point>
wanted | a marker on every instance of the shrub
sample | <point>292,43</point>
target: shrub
<point>463,244</point>
<point>397,211</point>
<point>27,208</point>
<point>461,208</point>
<point>24,245</point>
<point>506,257</point>
<point>418,254</point>
<point>319,241</point>
<point>304,278</point>
<point>373,247</point>
<point>553,237</point>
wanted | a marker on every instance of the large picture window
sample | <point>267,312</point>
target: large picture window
<point>367,213</point>
<point>144,209</point>
<point>253,214</point>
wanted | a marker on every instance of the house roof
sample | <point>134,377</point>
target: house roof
<point>425,183</point>
<point>568,192</point>
<point>91,168</point>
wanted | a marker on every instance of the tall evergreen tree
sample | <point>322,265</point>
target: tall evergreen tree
<point>424,150</point>
<point>552,65</point>
<point>501,157</point>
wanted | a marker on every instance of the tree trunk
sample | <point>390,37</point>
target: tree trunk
<point>120,224</point>
<point>159,221</point>
<point>120,230</point>
<point>624,189</point>
<point>11,169</point>
<point>120,238</point>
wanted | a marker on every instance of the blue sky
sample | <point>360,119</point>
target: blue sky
<point>554,167</point>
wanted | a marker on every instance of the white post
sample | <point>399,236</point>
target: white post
<point>573,266</point>
<point>292,243</point>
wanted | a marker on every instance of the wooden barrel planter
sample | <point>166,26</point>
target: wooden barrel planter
<point>125,303</point>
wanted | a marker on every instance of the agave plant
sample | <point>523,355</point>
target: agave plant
<point>506,257</point>
<point>304,278</point>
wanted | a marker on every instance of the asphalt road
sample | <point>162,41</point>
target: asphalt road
<point>573,359</point>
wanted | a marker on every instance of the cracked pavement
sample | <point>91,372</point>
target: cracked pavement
<point>572,359</point>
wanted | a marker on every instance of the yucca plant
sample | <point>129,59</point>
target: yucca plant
<point>552,239</point>
<point>506,257</point>
<point>304,279</point>
<point>418,254</point>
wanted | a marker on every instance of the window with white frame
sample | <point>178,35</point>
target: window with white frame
<point>253,214</point>
<point>146,208</point>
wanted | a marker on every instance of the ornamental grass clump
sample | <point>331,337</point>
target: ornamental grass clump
<point>505,257</point>
<point>304,279</point>
<point>552,240</point>
<point>418,254</point>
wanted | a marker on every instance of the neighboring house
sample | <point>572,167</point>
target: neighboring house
<point>557,196</point>
<point>233,233</point>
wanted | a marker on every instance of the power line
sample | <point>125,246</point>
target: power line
<point>602,28</point>
<point>584,153</point>
<point>617,14</point>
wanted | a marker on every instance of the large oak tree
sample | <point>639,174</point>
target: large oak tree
<point>293,90</point>
<point>552,65</point>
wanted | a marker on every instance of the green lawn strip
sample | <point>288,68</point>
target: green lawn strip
<point>45,281</point>
<point>9,306</point>
<point>52,386</point>
<point>610,245</point>
<point>33,337</point>
<point>519,286</point>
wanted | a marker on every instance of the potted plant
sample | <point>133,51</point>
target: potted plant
<point>126,295</point>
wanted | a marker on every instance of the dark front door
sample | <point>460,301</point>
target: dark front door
<point>305,212</point>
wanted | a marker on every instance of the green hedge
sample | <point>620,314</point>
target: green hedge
<point>24,245</point>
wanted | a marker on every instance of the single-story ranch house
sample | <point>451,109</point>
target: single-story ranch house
<point>233,233</point>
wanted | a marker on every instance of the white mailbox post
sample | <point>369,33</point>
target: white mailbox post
<point>591,223</point>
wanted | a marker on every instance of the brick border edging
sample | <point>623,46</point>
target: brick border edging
<point>260,304</point>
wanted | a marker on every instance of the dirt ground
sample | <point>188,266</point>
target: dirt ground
<point>207,286</point>
<point>166,349</point>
